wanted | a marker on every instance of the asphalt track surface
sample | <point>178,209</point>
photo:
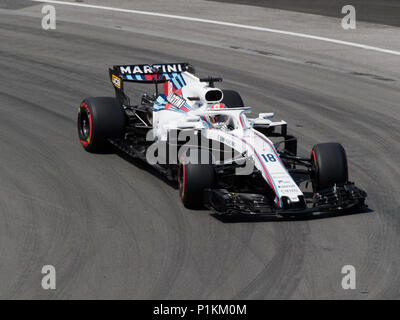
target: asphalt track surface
<point>114,229</point>
<point>375,11</point>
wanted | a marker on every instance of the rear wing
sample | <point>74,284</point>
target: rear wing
<point>144,73</point>
<point>150,73</point>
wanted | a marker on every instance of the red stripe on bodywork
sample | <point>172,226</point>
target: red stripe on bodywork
<point>241,122</point>
<point>273,148</point>
<point>265,170</point>
<point>165,87</point>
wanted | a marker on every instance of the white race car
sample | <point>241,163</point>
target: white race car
<point>200,137</point>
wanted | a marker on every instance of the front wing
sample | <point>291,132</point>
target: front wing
<point>340,197</point>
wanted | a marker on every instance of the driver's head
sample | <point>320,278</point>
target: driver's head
<point>218,118</point>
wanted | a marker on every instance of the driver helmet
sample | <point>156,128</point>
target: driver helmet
<point>218,119</point>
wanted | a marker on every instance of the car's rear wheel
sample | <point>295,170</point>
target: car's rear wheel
<point>232,99</point>
<point>100,119</point>
<point>194,178</point>
<point>329,165</point>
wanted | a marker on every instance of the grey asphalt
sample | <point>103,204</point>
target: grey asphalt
<point>375,11</point>
<point>114,229</point>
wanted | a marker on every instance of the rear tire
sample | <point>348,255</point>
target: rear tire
<point>100,119</point>
<point>193,179</point>
<point>329,165</point>
<point>232,99</point>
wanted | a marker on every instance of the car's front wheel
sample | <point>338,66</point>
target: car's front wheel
<point>329,165</point>
<point>194,178</point>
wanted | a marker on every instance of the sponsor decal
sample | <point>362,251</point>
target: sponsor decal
<point>285,185</point>
<point>176,100</point>
<point>218,106</point>
<point>151,69</point>
<point>116,81</point>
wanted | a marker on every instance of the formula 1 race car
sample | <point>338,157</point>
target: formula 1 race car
<point>200,137</point>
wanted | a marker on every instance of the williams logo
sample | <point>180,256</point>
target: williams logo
<point>175,100</point>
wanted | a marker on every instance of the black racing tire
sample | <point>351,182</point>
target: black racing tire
<point>100,119</point>
<point>329,165</point>
<point>232,99</point>
<point>194,178</point>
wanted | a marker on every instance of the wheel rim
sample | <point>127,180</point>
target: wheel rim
<point>84,126</point>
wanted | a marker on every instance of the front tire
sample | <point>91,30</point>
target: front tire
<point>100,119</point>
<point>193,179</point>
<point>329,165</point>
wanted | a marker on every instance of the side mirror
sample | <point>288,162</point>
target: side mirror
<point>269,115</point>
<point>193,119</point>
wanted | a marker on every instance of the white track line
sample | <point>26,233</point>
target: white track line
<point>228,24</point>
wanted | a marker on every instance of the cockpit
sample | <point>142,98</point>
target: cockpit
<point>222,122</point>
